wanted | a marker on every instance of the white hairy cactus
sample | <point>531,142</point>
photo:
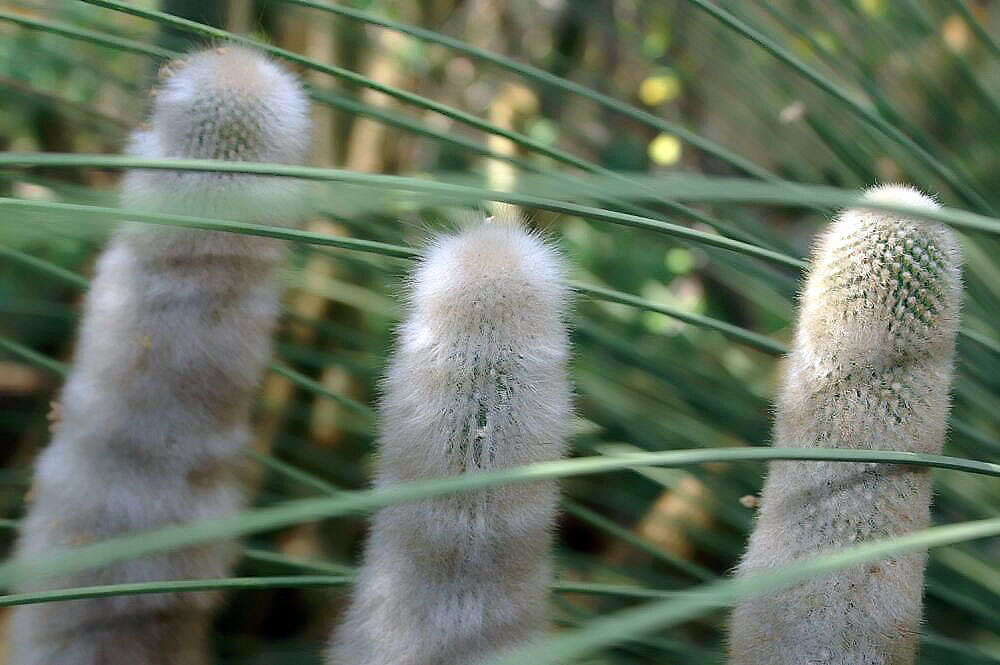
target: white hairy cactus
<point>175,334</point>
<point>870,368</point>
<point>478,382</point>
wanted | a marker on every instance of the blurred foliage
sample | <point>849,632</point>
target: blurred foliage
<point>644,380</point>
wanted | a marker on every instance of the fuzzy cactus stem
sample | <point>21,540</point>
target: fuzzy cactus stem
<point>478,382</point>
<point>870,368</point>
<point>152,422</point>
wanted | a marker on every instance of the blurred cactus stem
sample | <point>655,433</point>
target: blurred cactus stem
<point>870,368</point>
<point>153,420</point>
<point>478,382</point>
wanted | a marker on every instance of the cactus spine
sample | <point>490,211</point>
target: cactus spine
<point>477,382</point>
<point>154,414</point>
<point>870,368</point>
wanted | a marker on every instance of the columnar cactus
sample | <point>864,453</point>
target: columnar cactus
<point>477,382</point>
<point>870,368</point>
<point>154,414</point>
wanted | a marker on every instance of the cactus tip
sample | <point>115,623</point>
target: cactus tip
<point>898,194</point>
<point>231,103</point>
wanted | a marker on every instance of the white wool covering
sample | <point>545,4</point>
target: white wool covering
<point>870,368</point>
<point>154,414</point>
<point>478,382</point>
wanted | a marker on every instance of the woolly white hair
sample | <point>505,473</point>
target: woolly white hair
<point>478,382</point>
<point>870,368</point>
<point>902,195</point>
<point>175,333</point>
<point>231,104</point>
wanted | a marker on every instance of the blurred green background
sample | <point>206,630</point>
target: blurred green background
<point>658,87</point>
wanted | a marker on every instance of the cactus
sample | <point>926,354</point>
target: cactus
<point>477,382</point>
<point>870,368</point>
<point>154,414</point>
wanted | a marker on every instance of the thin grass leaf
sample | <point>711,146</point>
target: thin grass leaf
<point>21,351</point>
<point>294,473</point>
<point>616,628</point>
<point>47,267</point>
<point>421,102</point>
<point>307,510</point>
<point>407,124</point>
<point>266,556</point>
<point>962,188</point>
<point>682,187</point>
<point>748,337</point>
<point>465,194</point>
<point>319,389</point>
<point>347,75</point>
<point>99,38</point>
<point>176,586</point>
<point>744,336</point>
<point>546,78</point>
<point>604,524</point>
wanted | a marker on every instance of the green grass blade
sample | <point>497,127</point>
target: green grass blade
<point>313,565</point>
<point>466,194</point>
<point>598,589</point>
<point>112,42</point>
<point>751,338</point>
<point>748,337</point>
<point>966,191</point>
<point>205,223</point>
<point>176,586</point>
<point>541,76</point>
<point>294,473</point>
<point>622,626</point>
<point>604,524</point>
<point>282,582</point>
<point>743,335</point>
<point>307,510</point>
<point>681,187</point>
<point>402,95</point>
<point>34,357</point>
<point>346,75</point>
<point>99,38</point>
<point>318,388</point>
<point>51,269</point>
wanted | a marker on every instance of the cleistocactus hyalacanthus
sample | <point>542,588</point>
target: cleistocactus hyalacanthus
<point>478,381</point>
<point>176,331</point>
<point>870,368</point>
